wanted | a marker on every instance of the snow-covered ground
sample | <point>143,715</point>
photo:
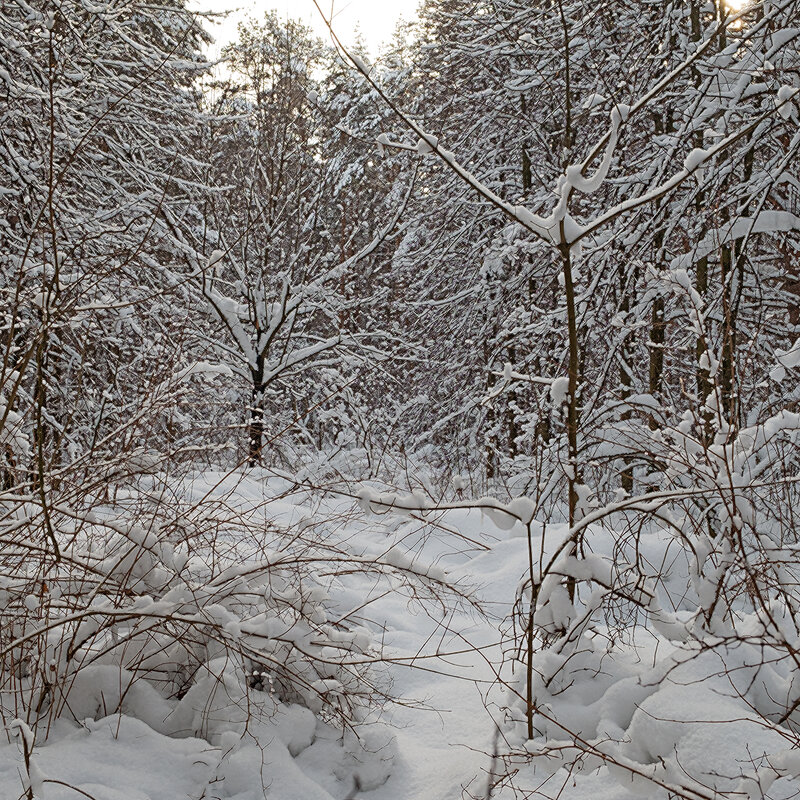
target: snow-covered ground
<point>430,742</point>
<point>675,719</point>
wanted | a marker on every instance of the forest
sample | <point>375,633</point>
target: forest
<point>417,426</point>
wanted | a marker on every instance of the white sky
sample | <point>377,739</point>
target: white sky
<point>375,18</point>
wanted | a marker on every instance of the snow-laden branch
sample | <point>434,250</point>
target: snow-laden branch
<point>255,324</point>
<point>765,222</point>
<point>559,228</point>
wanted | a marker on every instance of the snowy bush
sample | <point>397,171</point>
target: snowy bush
<point>658,636</point>
<point>196,617</point>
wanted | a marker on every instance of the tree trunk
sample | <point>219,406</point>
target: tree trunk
<point>527,175</point>
<point>255,426</point>
<point>658,335</point>
<point>573,372</point>
<point>573,471</point>
<point>728,366</point>
<point>512,429</point>
<point>701,375</point>
<point>626,475</point>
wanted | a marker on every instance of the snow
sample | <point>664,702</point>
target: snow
<point>114,758</point>
<point>559,391</point>
<point>593,101</point>
<point>695,158</point>
<point>786,94</point>
<point>574,173</point>
<point>659,715</point>
<point>360,64</point>
<point>765,222</point>
<point>790,358</point>
<point>118,739</point>
<point>427,144</point>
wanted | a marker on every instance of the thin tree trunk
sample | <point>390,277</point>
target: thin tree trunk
<point>255,426</point>
<point>626,475</point>
<point>728,366</point>
<point>573,416</point>
<point>573,374</point>
<point>701,374</point>
<point>512,429</point>
<point>527,176</point>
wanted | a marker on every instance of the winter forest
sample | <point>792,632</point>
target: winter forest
<point>411,426</point>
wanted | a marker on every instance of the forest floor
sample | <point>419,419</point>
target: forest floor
<point>442,663</point>
<point>441,729</point>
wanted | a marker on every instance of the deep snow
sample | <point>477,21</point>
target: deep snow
<point>672,716</point>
